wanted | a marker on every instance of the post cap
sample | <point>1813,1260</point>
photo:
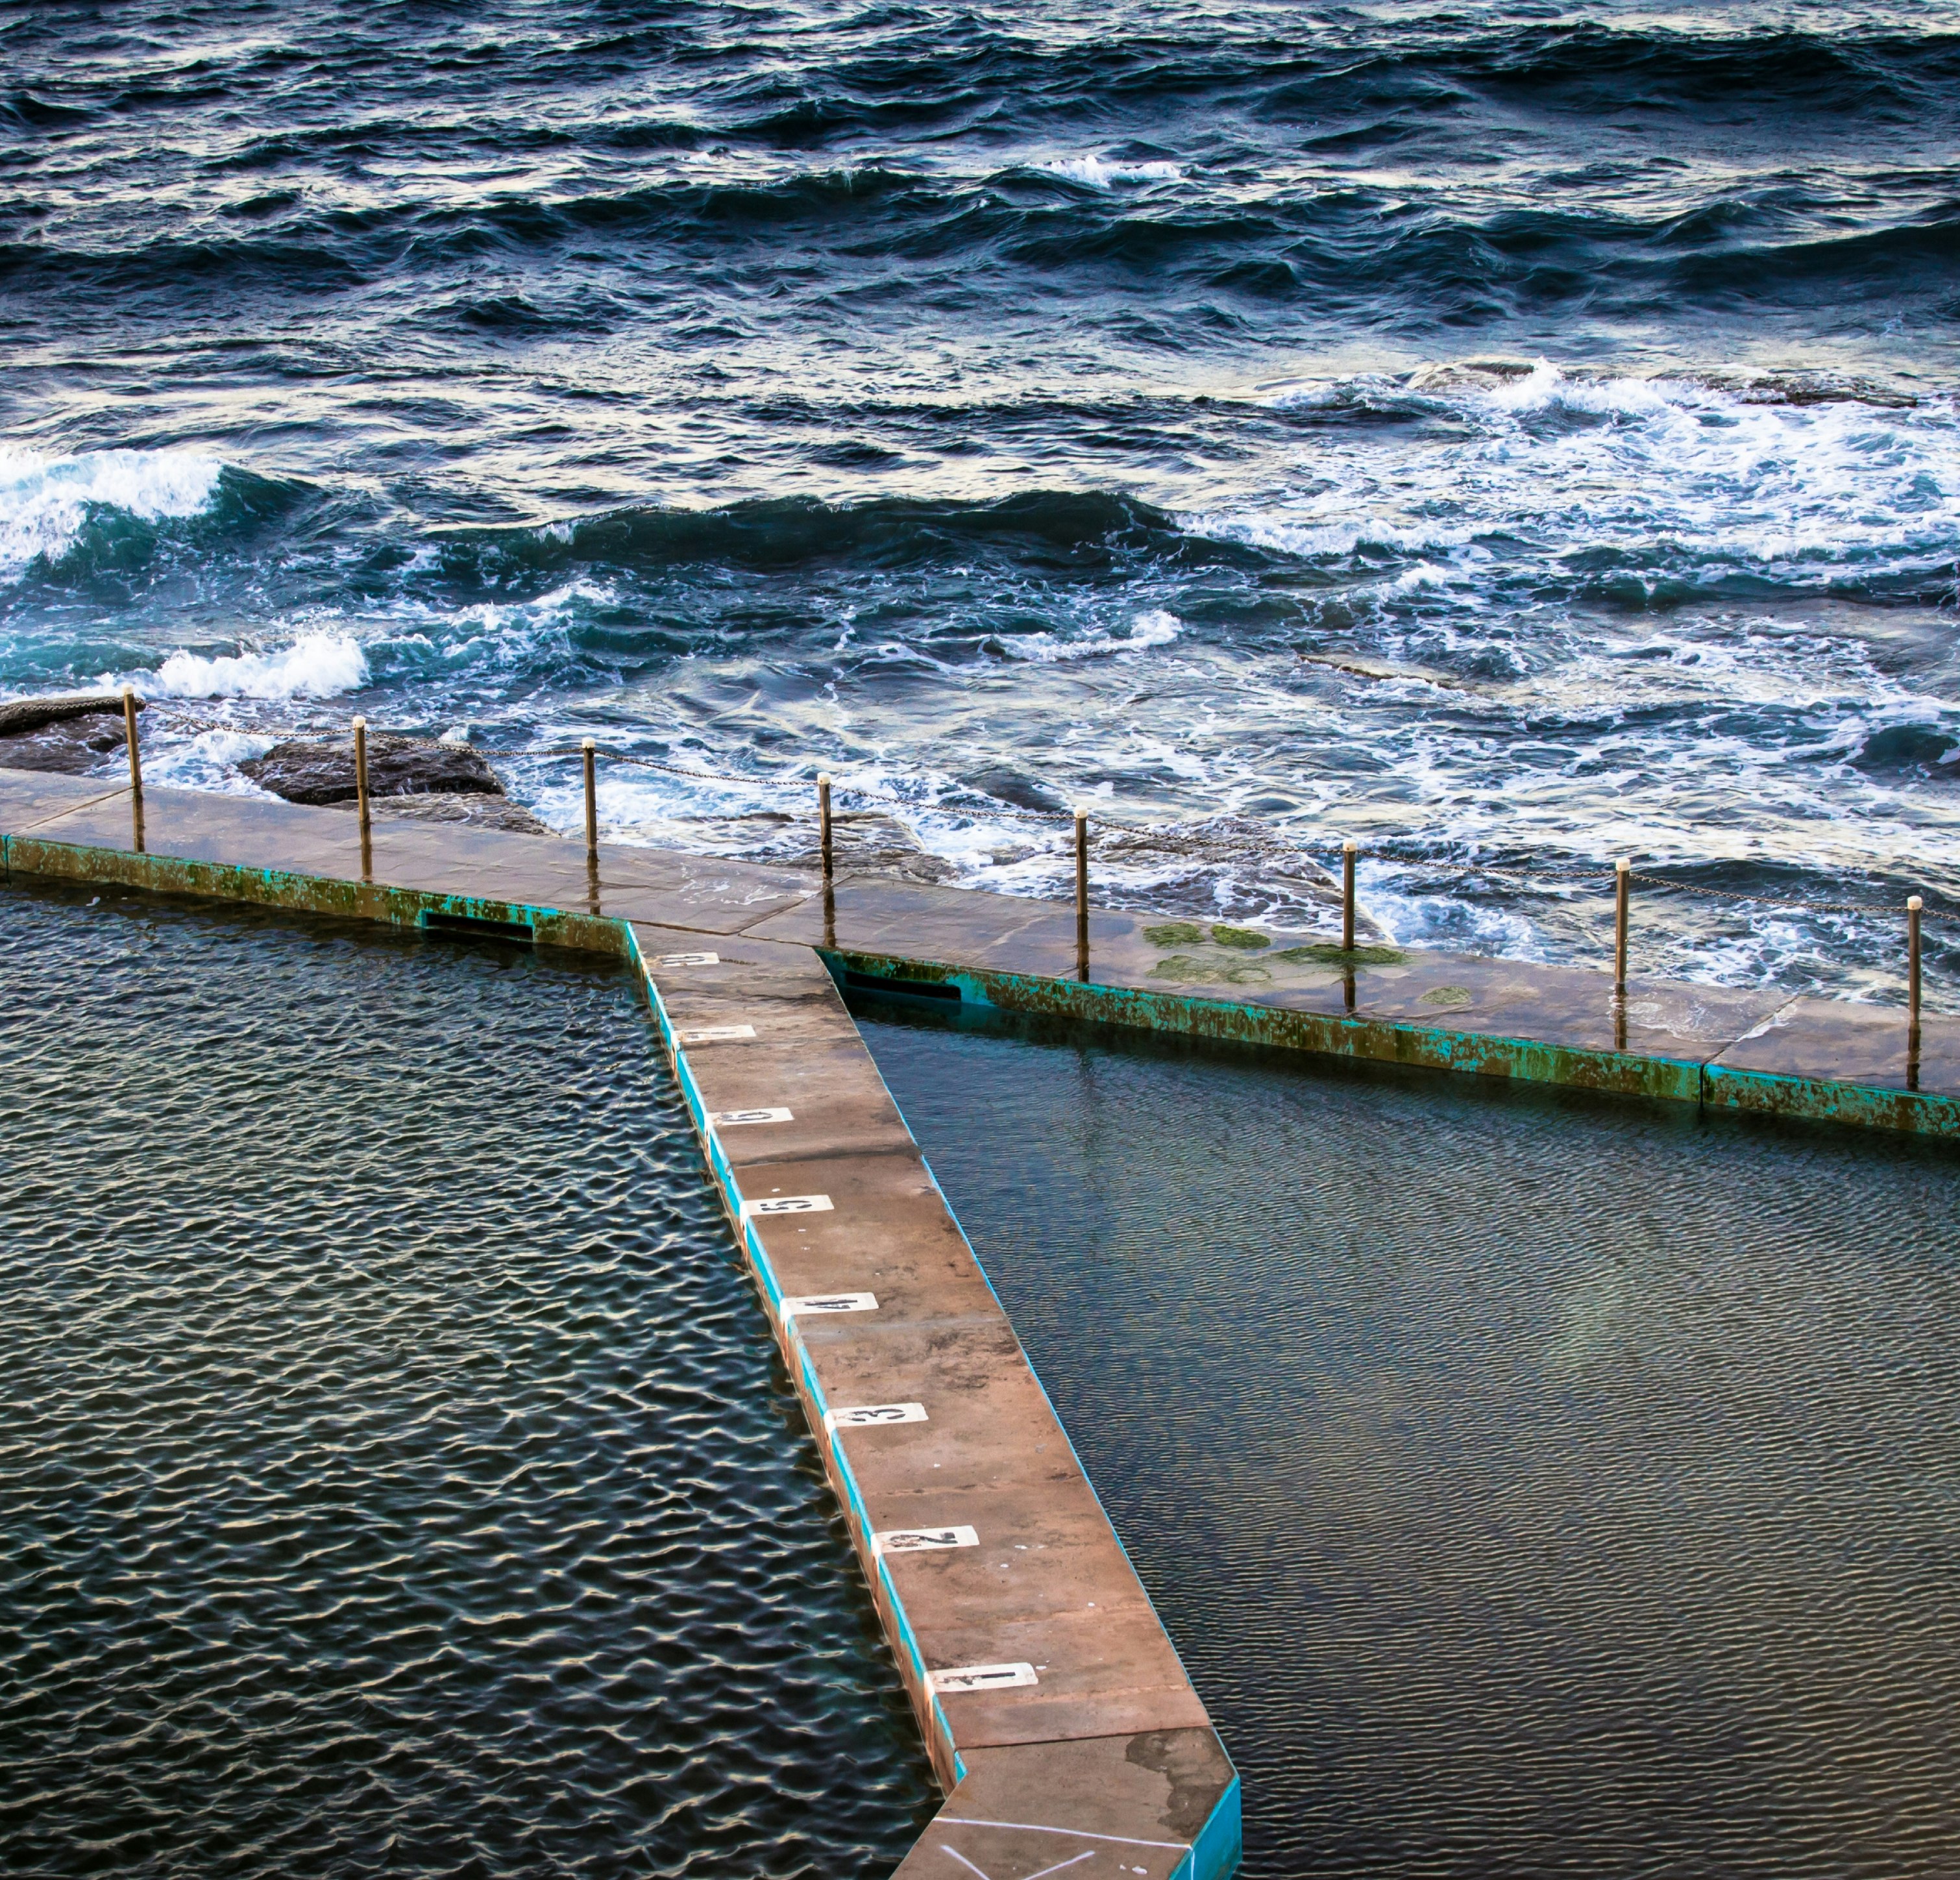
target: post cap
<point>588,744</point>
<point>1081,814</point>
<point>1350,846</point>
<point>129,692</point>
<point>1914,903</point>
<point>360,724</point>
<point>1622,866</point>
<point>823,777</point>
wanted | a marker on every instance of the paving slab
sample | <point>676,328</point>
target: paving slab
<point>30,798</point>
<point>982,1539</point>
<point>1137,1806</point>
<point>1849,1062</point>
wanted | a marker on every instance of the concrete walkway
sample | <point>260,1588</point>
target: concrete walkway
<point>1052,1702</point>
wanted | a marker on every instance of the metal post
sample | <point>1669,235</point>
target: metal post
<point>1622,870</point>
<point>823,823</point>
<point>1914,905</point>
<point>360,796</point>
<point>129,735</point>
<point>585,750</point>
<point>130,708</point>
<point>1348,850</point>
<point>1082,893</point>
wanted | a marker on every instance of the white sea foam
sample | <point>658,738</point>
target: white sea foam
<point>315,666</point>
<point>1679,479</point>
<point>1105,173</point>
<point>1155,628</point>
<point>44,501</point>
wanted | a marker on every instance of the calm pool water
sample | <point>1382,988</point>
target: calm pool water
<point>1533,1487</point>
<point>397,1477</point>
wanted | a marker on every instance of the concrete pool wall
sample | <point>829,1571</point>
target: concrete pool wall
<point>1052,1702</point>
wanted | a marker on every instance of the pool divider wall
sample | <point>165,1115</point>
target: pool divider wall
<point>1062,1725</point>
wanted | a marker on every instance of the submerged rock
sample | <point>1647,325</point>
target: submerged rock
<point>479,810</point>
<point>321,770</point>
<point>71,734</point>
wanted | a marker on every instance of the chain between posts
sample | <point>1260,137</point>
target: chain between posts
<point>1234,843</point>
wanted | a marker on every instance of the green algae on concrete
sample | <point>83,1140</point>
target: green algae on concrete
<point>1195,971</point>
<point>1248,938</point>
<point>1319,955</point>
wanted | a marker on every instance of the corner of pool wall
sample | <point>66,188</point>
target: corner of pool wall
<point>1220,1844</point>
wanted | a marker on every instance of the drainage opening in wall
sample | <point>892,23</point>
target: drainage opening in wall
<point>876,985</point>
<point>474,927</point>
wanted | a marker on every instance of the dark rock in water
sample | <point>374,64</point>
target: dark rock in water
<point>868,843</point>
<point>1009,786</point>
<point>479,811</point>
<point>74,747</point>
<point>1910,747</point>
<point>21,715</point>
<point>321,770</point>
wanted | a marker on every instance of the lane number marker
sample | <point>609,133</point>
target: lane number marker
<point>716,1033</point>
<point>788,1204</point>
<point>923,1539</point>
<point>728,1118</point>
<point>815,1302</point>
<point>874,1416</point>
<point>946,1683</point>
<point>688,959</point>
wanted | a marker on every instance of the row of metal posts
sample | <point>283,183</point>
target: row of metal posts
<point>1350,853</point>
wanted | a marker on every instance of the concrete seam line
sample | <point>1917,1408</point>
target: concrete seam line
<point>74,809</point>
<point>1080,1833</point>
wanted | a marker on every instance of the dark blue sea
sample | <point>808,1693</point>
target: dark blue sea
<point>1511,436</point>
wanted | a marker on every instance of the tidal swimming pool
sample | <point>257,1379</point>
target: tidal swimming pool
<point>398,1474</point>
<point>1533,1486</point>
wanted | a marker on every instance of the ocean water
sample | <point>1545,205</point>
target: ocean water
<point>399,1476</point>
<point>1534,1486</point>
<point>1513,435</point>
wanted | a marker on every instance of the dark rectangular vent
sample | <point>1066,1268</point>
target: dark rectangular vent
<point>875,983</point>
<point>473,927</point>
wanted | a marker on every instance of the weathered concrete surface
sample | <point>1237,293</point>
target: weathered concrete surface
<point>979,1534</point>
<point>292,855</point>
<point>1854,1064</point>
<point>1551,1024</point>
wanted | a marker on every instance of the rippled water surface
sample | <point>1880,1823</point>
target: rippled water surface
<point>396,1474</point>
<point>1532,1488</point>
<point>1508,433</point>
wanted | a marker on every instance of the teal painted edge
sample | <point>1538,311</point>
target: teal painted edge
<point>1860,1106</point>
<point>1703,1083</point>
<point>1220,1845</point>
<point>30,855</point>
<point>1326,1034</point>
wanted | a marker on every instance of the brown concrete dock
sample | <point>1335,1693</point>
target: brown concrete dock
<point>1053,1703</point>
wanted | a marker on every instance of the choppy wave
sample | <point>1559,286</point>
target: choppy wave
<point>1537,452</point>
<point>46,502</point>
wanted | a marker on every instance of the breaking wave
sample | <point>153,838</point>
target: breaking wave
<point>315,666</point>
<point>45,502</point>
